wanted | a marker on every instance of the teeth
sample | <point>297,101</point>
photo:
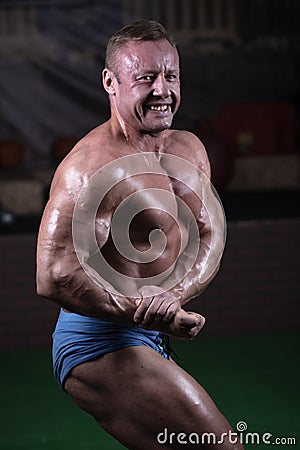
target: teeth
<point>159,108</point>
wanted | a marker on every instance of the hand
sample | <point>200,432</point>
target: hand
<point>185,325</point>
<point>182,325</point>
<point>155,311</point>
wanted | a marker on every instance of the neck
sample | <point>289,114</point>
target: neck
<point>137,140</point>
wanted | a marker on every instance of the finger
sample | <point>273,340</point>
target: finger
<point>189,319</point>
<point>196,330</point>
<point>142,309</point>
<point>170,312</point>
<point>159,313</point>
<point>154,313</point>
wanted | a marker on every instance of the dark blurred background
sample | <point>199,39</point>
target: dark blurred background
<point>240,94</point>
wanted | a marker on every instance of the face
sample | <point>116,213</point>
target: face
<point>148,92</point>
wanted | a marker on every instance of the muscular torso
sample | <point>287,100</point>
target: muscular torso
<point>137,225</point>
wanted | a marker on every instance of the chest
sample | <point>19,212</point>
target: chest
<point>148,192</point>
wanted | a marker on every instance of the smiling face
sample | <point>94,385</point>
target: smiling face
<point>145,94</point>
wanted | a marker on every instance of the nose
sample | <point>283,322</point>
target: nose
<point>160,87</point>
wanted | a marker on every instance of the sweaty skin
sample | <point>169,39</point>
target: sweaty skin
<point>142,105</point>
<point>144,96</point>
<point>60,274</point>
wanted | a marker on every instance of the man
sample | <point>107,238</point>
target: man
<point>132,232</point>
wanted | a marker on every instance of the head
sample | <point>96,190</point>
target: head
<point>142,30</point>
<point>141,76</point>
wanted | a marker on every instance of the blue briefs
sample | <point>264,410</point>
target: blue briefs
<point>78,339</point>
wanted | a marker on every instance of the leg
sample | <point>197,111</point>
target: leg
<point>134,394</point>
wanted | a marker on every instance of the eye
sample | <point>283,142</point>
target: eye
<point>171,77</point>
<point>146,78</point>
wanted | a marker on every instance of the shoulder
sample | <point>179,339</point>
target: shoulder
<point>184,136</point>
<point>81,163</point>
<point>188,146</point>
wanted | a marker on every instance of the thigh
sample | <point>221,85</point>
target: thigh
<point>145,401</point>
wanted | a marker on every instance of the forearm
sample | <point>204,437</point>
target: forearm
<point>209,244</point>
<point>75,291</point>
<point>206,266</point>
<point>192,286</point>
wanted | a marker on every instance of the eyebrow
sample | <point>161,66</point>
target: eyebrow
<point>154,71</point>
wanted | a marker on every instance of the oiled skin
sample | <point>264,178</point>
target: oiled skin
<point>133,393</point>
<point>60,276</point>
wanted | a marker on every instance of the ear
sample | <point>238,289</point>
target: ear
<point>108,80</point>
